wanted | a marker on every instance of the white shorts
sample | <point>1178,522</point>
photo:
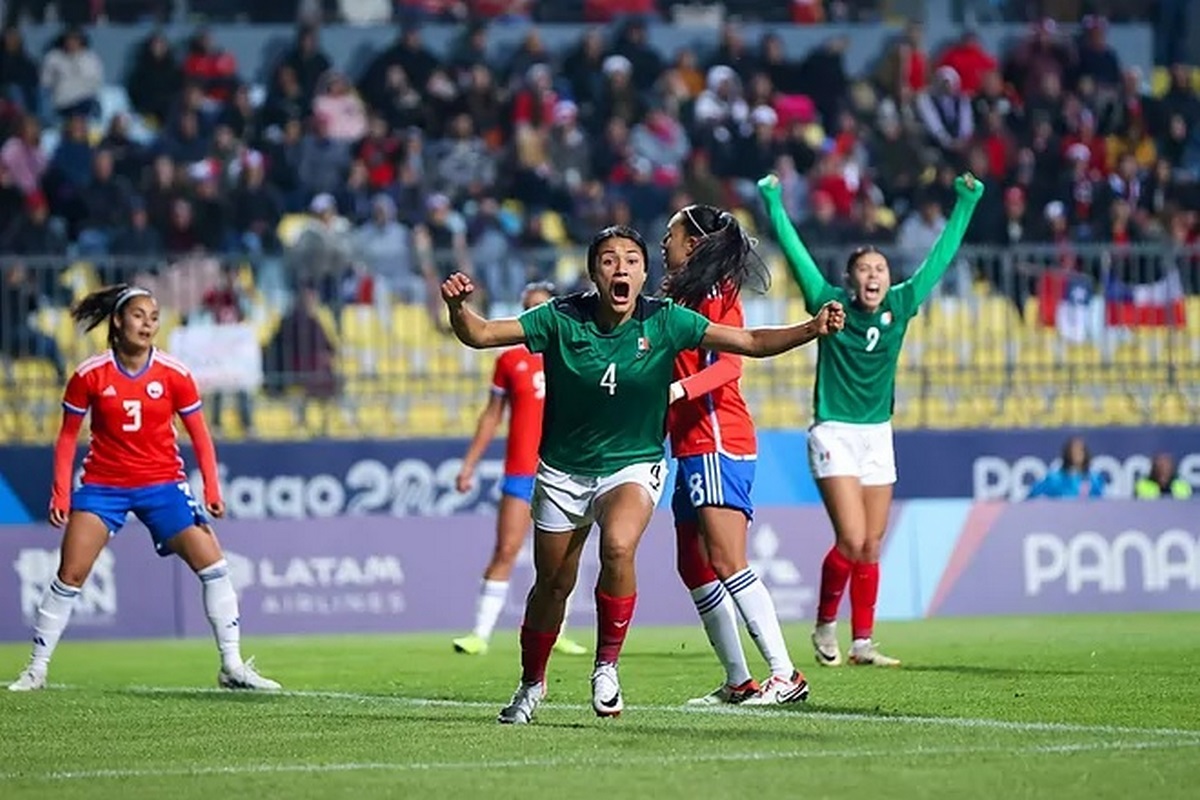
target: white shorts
<point>859,451</point>
<point>563,502</point>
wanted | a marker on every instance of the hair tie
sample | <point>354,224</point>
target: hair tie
<point>127,295</point>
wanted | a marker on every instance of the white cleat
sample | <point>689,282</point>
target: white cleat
<point>777,691</point>
<point>606,691</point>
<point>28,681</point>
<point>865,653</point>
<point>524,703</point>
<point>727,695</point>
<point>825,645</point>
<point>246,677</point>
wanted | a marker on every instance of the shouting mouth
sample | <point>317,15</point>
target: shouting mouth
<point>872,291</point>
<point>622,291</point>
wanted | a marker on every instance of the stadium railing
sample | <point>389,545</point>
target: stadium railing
<point>1041,336</point>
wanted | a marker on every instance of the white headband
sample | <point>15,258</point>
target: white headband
<point>129,294</point>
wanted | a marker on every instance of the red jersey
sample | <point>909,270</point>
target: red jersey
<point>520,379</point>
<point>133,436</point>
<point>713,418</point>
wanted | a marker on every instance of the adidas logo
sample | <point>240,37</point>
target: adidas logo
<point>111,391</point>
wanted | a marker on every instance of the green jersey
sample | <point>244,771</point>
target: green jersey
<point>607,392</point>
<point>856,368</point>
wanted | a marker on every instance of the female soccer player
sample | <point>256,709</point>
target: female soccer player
<point>608,361</point>
<point>133,465</point>
<point>519,383</point>
<point>850,443</point>
<point>709,258</point>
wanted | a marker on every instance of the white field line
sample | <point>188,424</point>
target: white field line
<point>590,762</point>
<point>814,713</point>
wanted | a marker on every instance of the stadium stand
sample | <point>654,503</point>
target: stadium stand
<point>295,230</point>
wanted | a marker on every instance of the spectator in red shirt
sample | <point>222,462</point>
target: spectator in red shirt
<point>213,68</point>
<point>1085,135</point>
<point>970,60</point>
<point>609,10</point>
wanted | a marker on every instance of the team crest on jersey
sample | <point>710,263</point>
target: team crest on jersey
<point>643,346</point>
<point>154,389</point>
<point>885,318</point>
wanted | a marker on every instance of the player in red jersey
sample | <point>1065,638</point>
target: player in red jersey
<point>133,392</point>
<point>520,384</point>
<point>709,258</point>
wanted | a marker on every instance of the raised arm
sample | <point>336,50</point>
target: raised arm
<point>472,329</point>
<point>767,342</point>
<point>806,272</point>
<point>969,190</point>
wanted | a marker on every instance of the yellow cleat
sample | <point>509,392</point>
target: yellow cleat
<point>471,645</point>
<point>569,647</point>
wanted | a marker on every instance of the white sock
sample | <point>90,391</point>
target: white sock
<point>221,605</point>
<point>53,614</point>
<point>859,644</point>
<point>492,597</point>
<point>720,623</point>
<point>758,612</point>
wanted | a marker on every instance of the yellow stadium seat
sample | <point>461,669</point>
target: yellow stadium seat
<point>1192,312</point>
<point>361,327</point>
<point>1119,409</point>
<point>1173,409</point>
<point>425,419</point>
<point>274,419</point>
<point>411,324</point>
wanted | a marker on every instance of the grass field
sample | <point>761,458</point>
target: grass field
<point>1087,707</point>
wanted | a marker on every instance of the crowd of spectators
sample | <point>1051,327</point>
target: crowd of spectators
<point>422,165</point>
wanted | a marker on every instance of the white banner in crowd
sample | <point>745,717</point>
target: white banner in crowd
<point>222,357</point>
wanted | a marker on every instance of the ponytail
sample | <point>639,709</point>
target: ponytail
<point>103,304</point>
<point>724,257</point>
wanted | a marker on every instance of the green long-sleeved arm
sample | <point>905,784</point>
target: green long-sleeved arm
<point>922,282</point>
<point>806,272</point>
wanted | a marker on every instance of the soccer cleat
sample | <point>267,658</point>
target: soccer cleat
<point>865,653</point>
<point>825,646</point>
<point>472,645</point>
<point>727,695</point>
<point>28,681</point>
<point>777,690</point>
<point>524,703</point>
<point>569,647</point>
<point>246,677</point>
<point>606,691</point>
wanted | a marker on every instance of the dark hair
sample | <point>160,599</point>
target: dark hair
<point>724,256</point>
<point>858,253</point>
<point>537,286</point>
<point>1066,454</point>
<point>103,304</point>
<point>615,232</point>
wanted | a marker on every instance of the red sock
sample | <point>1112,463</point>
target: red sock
<point>535,653</point>
<point>835,571</point>
<point>613,615</point>
<point>864,590</point>
<point>690,558</point>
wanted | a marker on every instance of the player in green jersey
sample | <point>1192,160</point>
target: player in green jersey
<point>850,442</point>
<point>608,358</point>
